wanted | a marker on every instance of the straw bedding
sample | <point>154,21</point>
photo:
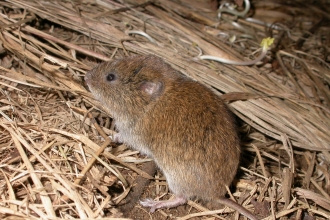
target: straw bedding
<point>56,159</point>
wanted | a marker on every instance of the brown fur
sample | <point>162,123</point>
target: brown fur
<point>180,123</point>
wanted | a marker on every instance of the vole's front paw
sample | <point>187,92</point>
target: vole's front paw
<point>116,138</point>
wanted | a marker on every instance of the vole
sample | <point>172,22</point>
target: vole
<point>181,124</point>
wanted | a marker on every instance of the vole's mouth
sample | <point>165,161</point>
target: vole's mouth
<point>90,83</point>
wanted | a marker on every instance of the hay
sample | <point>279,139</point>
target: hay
<point>51,160</point>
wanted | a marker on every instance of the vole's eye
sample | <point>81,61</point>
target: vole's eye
<point>111,77</point>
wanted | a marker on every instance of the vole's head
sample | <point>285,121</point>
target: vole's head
<point>129,85</point>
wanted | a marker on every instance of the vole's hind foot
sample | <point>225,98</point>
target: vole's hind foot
<point>163,204</point>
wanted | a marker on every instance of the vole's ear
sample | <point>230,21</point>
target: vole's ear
<point>153,89</point>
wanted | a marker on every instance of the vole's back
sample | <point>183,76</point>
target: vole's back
<point>192,137</point>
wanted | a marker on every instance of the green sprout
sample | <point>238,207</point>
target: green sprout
<point>265,44</point>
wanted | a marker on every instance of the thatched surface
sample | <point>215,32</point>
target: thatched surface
<point>50,154</point>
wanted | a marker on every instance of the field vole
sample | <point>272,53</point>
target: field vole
<point>180,123</point>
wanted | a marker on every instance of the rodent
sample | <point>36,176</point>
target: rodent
<point>181,124</point>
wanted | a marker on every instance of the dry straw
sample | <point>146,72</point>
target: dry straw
<point>52,166</point>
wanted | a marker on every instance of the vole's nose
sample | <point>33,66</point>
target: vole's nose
<point>88,77</point>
